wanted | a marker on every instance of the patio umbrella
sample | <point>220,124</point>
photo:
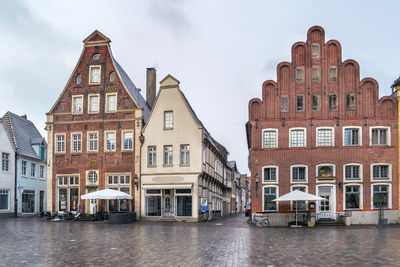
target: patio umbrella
<point>107,194</point>
<point>298,195</point>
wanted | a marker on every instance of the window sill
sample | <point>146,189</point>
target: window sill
<point>151,166</point>
<point>110,151</point>
<point>92,152</point>
<point>167,129</point>
<point>127,150</point>
<point>184,165</point>
<point>167,165</point>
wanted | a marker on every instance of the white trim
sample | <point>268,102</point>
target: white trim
<point>122,140</point>
<point>56,143</point>
<point>98,104</point>
<point>277,195</point>
<point>389,195</point>
<point>380,180</point>
<point>325,164</point>
<point>106,103</point>
<point>105,141</point>
<point>72,142</point>
<point>291,174</point>
<point>296,129</point>
<point>359,135</point>
<point>277,174</point>
<point>361,195</point>
<point>72,106</point>
<point>87,177</point>
<point>360,172</point>
<point>276,138</point>
<point>88,141</point>
<point>90,74</point>
<point>291,190</point>
<point>9,199</point>
<point>333,199</point>
<point>388,135</point>
<point>325,128</point>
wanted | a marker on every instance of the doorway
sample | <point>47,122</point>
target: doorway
<point>168,202</point>
<point>326,208</point>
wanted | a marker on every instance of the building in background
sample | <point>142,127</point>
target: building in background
<point>321,130</point>
<point>7,173</point>
<point>31,167</point>
<point>181,162</point>
<point>93,133</point>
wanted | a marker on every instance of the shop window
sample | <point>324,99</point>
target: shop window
<point>153,205</point>
<point>270,193</point>
<point>184,205</point>
<point>4,199</point>
<point>380,196</point>
<point>352,196</point>
<point>28,201</point>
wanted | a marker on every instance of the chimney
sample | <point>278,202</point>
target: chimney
<point>24,117</point>
<point>151,86</point>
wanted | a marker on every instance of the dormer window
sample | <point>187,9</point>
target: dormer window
<point>112,77</point>
<point>96,56</point>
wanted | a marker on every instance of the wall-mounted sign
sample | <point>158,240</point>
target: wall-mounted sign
<point>203,203</point>
<point>91,162</point>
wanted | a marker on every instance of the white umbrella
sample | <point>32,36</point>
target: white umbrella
<point>107,194</point>
<point>298,195</point>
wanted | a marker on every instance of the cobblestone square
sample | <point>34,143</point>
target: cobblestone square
<point>226,242</point>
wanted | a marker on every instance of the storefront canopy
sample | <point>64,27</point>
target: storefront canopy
<point>167,186</point>
<point>298,195</point>
<point>107,194</point>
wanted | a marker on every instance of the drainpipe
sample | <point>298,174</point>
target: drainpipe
<point>15,185</point>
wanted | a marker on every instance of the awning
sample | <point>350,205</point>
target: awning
<point>107,194</point>
<point>167,186</point>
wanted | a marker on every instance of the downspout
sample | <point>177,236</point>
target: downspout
<point>15,185</point>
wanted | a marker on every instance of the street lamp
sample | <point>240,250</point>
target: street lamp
<point>136,181</point>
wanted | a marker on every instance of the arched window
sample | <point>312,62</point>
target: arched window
<point>96,56</point>
<point>78,79</point>
<point>92,177</point>
<point>112,77</point>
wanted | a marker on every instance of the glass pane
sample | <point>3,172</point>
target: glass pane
<point>153,205</point>
<point>184,206</point>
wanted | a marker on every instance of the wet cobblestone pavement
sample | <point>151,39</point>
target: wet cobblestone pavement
<point>225,242</point>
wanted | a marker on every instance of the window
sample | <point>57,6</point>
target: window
<point>96,56</point>
<point>352,136</point>
<point>167,155</point>
<point>110,141</point>
<point>76,142</point>
<point>78,79</point>
<point>77,104</point>
<point>380,196</point>
<point>5,161</point>
<point>94,75</point>
<point>270,139</point>
<point>299,174</point>
<point>68,193</point>
<point>112,77</point>
<point>151,158</point>
<point>204,155</point>
<point>127,140</point>
<point>41,171</point>
<point>380,136</point>
<point>325,171</point>
<point>315,51</point>
<point>93,141</point>
<point>28,201</point>
<point>325,137</point>
<point>316,73</point>
<point>33,169</point>
<point>270,193</point>
<point>4,199</point>
<point>168,120</point>
<point>332,73</point>
<point>299,103</point>
<point>270,174</point>
<point>185,155</point>
<point>119,182</point>
<point>352,197</point>
<point>62,180</point>
<point>111,102</point>
<point>300,74</point>
<point>23,167</point>
<point>284,104</point>
<point>153,202</point>
<point>60,143</point>
<point>333,102</point>
<point>92,177</point>
<point>315,102</point>
<point>299,205</point>
<point>352,172</point>
<point>93,103</point>
<point>350,101</point>
<point>297,138</point>
<point>381,172</point>
<point>183,205</point>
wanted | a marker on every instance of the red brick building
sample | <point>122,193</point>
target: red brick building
<point>322,130</point>
<point>93,133</point>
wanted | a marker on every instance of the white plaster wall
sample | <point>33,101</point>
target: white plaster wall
<point>7,179</point>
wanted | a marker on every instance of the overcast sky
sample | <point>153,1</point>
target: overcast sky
<point>221,51</point>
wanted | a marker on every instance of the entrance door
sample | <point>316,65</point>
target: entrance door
<point>93,206</point>
<point>168,198</point>
<point>90,204</point>
<point>41,201</point>
<point>325,208</point>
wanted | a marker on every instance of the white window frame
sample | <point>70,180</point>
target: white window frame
<point>88,141</point>
<point>56,141</point>
<point>361,195</point>
<point>291,190</point>
<point>325,128</point>
<point>390,193</point>
<point>371,171</point>
<point>9,199</point>
<point>33,169</point>
<point>360,172</point>
<point>87,177</point>
<point>105,141</point>
<point>123,140</point>
<point>277,195</point>
<point>72,142</point>
<point>154,158</point>
<point>90,74</point>
<point>116,103</point>
<point>276,137</point>
<point>291,174</point>
<point>186,157</point>
<point>297,129</point>
<point>98,103</point>
<point>172,156</point>
<point>22,167</point>
<point>388,135</point>
<point>325,164</point>
<point>41,175</point>
<point>73,104</point>
<point>359,135</point>
<point>277,174</point>
<point>8,162</point>
<point>165,121</point>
